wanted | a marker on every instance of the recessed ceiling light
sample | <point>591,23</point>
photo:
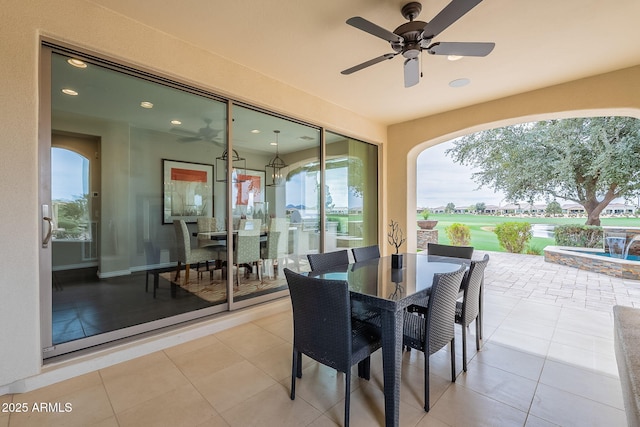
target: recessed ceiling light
<point>273,143</point>
<point>68,91</point>
<point>176,122</point>
<point>255,131</point>
<point>146,104</point>
<point>454,57</point>
<point>459,82</point>
<point>77,63</point>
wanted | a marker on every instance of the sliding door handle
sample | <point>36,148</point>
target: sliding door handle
<point>47,238</point>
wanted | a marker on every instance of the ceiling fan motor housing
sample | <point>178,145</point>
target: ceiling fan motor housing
<point>411,32</point>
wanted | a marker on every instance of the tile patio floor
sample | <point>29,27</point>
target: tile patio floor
<point>547,360</point>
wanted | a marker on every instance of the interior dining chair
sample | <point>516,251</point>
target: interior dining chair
<point>269,253</point>
<point>206,225</point>
<point>247,252</point>
<point>319,262</point>
<point>365,253</point>
<point>436,329</point>
<point>468,309</point>
<point>324,330</point>
<point>188,255</point>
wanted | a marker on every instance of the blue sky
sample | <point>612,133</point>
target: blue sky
<point>66,174</point>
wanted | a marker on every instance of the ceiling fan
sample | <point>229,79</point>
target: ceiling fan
<point>412,37</point>
<point>206,133</point>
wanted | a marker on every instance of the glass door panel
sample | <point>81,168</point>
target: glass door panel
<point>351,193</point>
<point>115,245</point>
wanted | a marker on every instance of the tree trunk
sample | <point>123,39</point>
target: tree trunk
<point>594,207</point>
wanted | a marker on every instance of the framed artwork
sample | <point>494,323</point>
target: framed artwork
<point>187,191</point>
<point>248,191</point>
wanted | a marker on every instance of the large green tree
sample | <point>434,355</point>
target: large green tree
<point>590,161</point>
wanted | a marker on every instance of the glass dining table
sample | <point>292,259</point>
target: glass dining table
<point>390,291</point>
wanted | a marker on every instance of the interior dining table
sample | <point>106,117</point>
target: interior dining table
<point>390,291</point>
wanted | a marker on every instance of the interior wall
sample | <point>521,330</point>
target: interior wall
<point>615,93</point>
<point>84,25</point>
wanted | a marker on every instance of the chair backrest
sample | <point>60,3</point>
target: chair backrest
<point>207,224</point>
<point>365,253</point>
<point>319,262</point>
<point>441,309</point>
<point>247,246</point>
<point>281,225</point>
<point>465,252</point>
<point>250,224</point>
<point>271,251</point>
<point>321,319</point>
<point>183,242</point>
<point>471,305</point>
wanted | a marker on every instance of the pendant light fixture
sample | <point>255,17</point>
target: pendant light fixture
<point>273,170</point>
<point>238,165</point>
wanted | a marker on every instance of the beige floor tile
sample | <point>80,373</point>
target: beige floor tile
<point>130,387</point>
<point>533,421</point>
<point>429,420</point>
<point>462,407</point>
<point>511,360</point>
<point>83,407</point>
<point>191,346</point>
<point>322,386</point>
<point>228,387</point>
<point>276,361</point>
<point>521,342</point>
<point>61,389</point>
<point>529,326</point>
<point>567,409</point>
<point>272,407</point>
<point>182,406</point>
<point>282,328</point>
<point>503,386</point>
<point>583,382</point>
<point>367,409</point>
<point>205,360</point>
<point>597,362</point>
<point>109,422</point>
<point>249,339</point>
<point>584,341</point>
<point>412,385</point>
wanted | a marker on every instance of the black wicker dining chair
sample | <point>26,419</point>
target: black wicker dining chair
<point>436,329</point>
<point>365,253</point>
<point>465,252</point>
<point>324,330</point>
<point>319,262</point>
<point>468,309</point>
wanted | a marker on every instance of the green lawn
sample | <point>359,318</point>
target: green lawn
<point>483,238</point>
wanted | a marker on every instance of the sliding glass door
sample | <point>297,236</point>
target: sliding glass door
<point>167,203</point>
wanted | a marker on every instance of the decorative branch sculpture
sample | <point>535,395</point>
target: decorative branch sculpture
<point>395,235</point>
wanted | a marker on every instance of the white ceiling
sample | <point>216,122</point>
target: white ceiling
<point>306,43</point>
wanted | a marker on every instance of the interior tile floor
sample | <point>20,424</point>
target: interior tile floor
<point>547,360</point>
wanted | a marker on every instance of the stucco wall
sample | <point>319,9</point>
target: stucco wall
<point>615,93</point>
<point>85,25</point>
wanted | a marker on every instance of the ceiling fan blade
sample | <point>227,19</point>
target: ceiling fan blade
<point>411,72</point>
<point>461,48</point>
<point>371,28</point>
<point>447,16</point>
<point>368,63</point>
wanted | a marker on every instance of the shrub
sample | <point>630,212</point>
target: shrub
<point>513,236</point>
<point>584,236</point>
<point>425,213</point>
<point>533,250</point>
<point>458,234</point>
